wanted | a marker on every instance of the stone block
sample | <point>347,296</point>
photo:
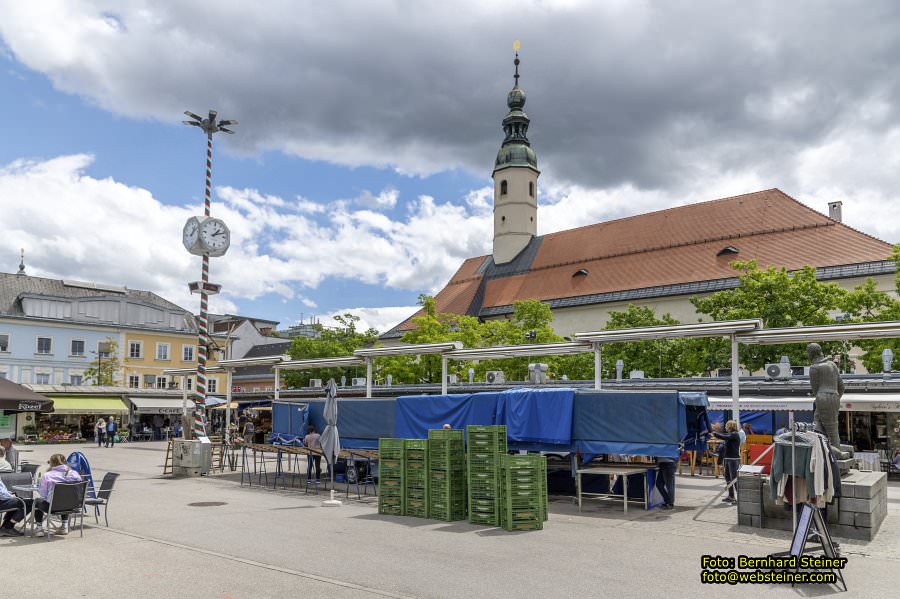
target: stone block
<point>754,495</point>
<point>847,518</point>
<point>754,509</point>
<point>756,521</point>
<point>852,532</point>
<point>745,520</point>
<point>865,506</point>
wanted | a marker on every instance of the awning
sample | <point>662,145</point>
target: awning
<point>850,402</point>
<point>16,398</point>
<point>212,401</point>
<point>221,406</point>
<point>159,405</point>
<point>88,405</point>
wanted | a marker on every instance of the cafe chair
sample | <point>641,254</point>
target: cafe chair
<point>67,499</point>
<point>106,488</point>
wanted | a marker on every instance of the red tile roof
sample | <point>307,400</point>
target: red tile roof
<point>674,246</point>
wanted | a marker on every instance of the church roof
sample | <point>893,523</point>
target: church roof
<point>678,251</point>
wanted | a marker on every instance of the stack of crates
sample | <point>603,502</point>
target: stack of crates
<point>446,475</point>
<point>523,492</point>
<point>391,474</point>
<point>415,487</point>
<point>486,446</point>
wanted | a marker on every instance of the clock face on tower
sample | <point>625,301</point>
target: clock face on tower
<point>214,236</point>
<point>190,233</point>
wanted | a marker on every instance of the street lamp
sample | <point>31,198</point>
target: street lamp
<point>205,236</point>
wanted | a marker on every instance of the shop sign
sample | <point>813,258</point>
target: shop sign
<point>29,406</point>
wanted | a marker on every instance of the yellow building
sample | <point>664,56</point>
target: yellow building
<point>145,354</point>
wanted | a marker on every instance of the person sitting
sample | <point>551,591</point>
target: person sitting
<point>9,501</point>
<point>5,466</point>
<point>12,454</point>
<point>313,440</point>
<point>59,472</point>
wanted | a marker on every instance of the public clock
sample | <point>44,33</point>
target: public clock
<point>190,235</point>
<point>214,236</point>
<point>204,235</point>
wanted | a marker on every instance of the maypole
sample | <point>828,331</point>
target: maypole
<point>205,237</point>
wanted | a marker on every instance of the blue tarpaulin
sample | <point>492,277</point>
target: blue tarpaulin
<point>417,414</point>
<point>649,423</point>
<point>364,420</point>
<point>537,415</point>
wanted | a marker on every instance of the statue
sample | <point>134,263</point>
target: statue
<point>828,388</point>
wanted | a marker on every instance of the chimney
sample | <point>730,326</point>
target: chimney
<point>834,211</point>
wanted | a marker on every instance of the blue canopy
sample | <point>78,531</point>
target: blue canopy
<point>537,415</point>
<point>417,414</point>
<point>649,423</point>
<point>362,421</point>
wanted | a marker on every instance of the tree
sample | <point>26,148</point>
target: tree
<point>659,358</point>
<point>332,342</point>
<point>105,368</point>
<point>779,299</point>
<point>866,304</point>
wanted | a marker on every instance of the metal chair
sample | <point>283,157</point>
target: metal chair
<point>66,499</point>
<point>11,479</point>
<point>106,488</point>
<point>30,468</point>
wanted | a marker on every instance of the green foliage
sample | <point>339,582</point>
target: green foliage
<point>104,368</point>
<point>779,299</point>
<point>866,304</point>
<point>332,342</point>
<point>658,358</point>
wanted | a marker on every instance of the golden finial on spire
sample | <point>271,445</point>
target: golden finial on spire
<point>516,45</point>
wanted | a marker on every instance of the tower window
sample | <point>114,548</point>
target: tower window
<point>531,188</point>
<point>502,219</point>
<point>503,187</point>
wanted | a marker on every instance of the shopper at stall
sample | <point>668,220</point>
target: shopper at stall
<point>12,454</point>
<point>665,481</point>
<point>10,519</point>
<point>313,440</point>
<point>249,432</point>
<point>5,466</point>
<point>100,431</point>
<point>112,427</point>
<point>59,472</point>
<point>731,455</point>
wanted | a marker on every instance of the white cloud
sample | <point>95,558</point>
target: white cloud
<point>55,211</point>
<point>385,200</point>
<point>380,319</point>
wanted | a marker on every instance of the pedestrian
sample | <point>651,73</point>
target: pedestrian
<point>59,472</point>
<point>249,432</point>
<point>313,440</point>
<point>745,446</point>
<point>447,427</point>
<point>111,429</point>
<point>732,456</point>
<point>665,481</point>
<point>100,431</point>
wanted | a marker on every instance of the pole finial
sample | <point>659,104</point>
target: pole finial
<point>21,262</point>
<point>516,45</point>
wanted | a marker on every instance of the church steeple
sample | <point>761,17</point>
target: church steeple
<point>515,179</point>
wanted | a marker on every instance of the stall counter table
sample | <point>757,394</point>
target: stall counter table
<point>623,470</point>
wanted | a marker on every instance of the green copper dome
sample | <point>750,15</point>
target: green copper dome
<point>516,149</point>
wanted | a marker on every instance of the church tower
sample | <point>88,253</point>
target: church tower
<point>515,180</point>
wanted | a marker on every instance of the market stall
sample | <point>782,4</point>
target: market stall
<point>18,402</point>
<point>74,417</point>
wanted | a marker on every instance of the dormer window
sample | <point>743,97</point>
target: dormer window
<point>503,187</point>
<point>581,272</point>
<point>728,250</point>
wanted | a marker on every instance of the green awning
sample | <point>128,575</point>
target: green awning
<point>87,405</point>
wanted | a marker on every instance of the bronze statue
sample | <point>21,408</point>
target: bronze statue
<point>828,388</point>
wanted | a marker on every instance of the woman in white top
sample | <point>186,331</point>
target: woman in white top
<point>100,431</point>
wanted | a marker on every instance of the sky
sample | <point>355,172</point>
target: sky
<point>359,175</point>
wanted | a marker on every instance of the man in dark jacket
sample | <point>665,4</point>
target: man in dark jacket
<point>112,427</point>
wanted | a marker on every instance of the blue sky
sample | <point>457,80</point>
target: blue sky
<point>359,176</point>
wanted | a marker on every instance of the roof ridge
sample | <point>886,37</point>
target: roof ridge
<point>669,209</point>
<point>837,222</point>
<point>660,248</point>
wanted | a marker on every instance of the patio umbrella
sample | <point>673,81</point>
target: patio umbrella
<point>16,398</point>
<point>330,440</point>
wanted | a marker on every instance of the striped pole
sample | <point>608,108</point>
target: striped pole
<point>203,326</point>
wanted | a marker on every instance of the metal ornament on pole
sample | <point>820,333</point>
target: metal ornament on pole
<point>209,126</point>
